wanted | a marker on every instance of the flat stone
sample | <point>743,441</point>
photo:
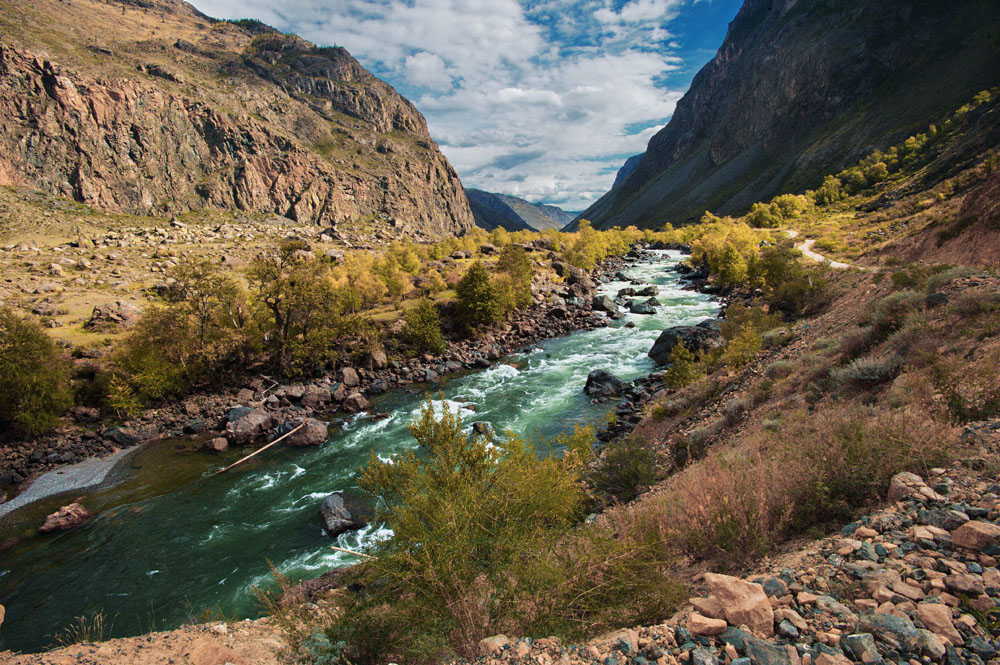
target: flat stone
<point>898,632</point>
<point>744,603</point>
<point>702,625</point>
<point>975,535</point>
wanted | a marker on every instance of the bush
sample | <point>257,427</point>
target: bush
<point>779,369</point>
<point>480,302</point>
<point>34,377</point>
<point>625,470</point>
<point>891,311</point>
<point>867,373</point>
<point>682,369</point>
<point>514,262</point>
<point>423,328</point>
<point>159,358</point>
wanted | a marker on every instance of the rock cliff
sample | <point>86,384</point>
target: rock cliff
<point>152,108</point>
<point>513,213</point>
<point>800,88</point>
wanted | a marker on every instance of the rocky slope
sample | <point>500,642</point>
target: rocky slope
<point>513,213</point>
<point>800,89</point>
<point>153,108</point>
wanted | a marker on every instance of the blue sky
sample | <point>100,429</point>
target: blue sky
<point>543,99</point>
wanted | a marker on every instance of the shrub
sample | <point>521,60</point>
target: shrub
<point>34,377</point>
<point>683,370</point>
<point>462,514</point>
<point>867,372</point>
<point>891,311</point>
<point>938,280</point>
<point>736,408</point>
<point>159,357</point>
<point>779,369</point>
<point>626,468</point>
<point>971,390</point>
<point>743,348</point>
<point>423,328</point>
<point>514,262</point>
<point>480,302</point>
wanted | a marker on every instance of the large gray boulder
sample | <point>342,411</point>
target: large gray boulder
<point>249,427</point>
<point>603,384</point>
<point>314,433</point>
<point>605,304</point>
<point>697,338</point>
<point>341,514</point>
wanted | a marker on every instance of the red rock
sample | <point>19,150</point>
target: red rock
<point>217,445</point>
<point>355,402</point>
<point>701,625</point>
<point>66,517</point>
<point>937,618</point>
<point>975,535</point>
<point>744,603</point>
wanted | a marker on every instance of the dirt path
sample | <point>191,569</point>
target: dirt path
<point>241,643</point>
<point>806,248</point>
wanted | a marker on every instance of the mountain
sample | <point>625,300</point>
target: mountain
<point>150,107</point>
<point>802,88</point>
<point>626,170</point>
<point>513,213</point>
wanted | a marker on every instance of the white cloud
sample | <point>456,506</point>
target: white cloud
<point>533,98</point>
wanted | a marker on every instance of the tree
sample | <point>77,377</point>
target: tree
<point>514,262</point>
<point>479,300</point>
<point>423,327</point>
<point>299,299</point>
<point>34,378</point>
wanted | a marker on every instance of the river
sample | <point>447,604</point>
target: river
<point>171,544</point>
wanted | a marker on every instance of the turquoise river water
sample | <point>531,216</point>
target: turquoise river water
<point>170,543</point>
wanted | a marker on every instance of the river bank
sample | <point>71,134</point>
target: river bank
<point>559,308</point>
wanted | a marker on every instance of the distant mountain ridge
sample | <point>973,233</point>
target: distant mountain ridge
<point>803,88</point>
<point>513,213</point>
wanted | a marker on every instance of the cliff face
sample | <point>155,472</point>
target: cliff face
<point>514,213</point>
<point>151,108</point>
<point>800,88</point>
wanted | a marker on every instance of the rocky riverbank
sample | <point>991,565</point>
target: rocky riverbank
<point>260,408</point>
<point>914,582</point>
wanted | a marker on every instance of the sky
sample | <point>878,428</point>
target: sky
<point>542,99</point>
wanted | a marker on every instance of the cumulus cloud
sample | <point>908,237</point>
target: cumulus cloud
<point>536,98</point>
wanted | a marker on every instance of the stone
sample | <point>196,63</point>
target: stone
<point>641,307</point>
<point>937,618</point>
<point>764,653</point>
<point>744,603</point>
<point>249,427</point>
<point>355,402</point>
<point>313,433</point>
<point>825,658</point>
<point>906,485</point>
<point>66,517</point>
<point>315,396</point>
<point>709,607</point>
<point>787,629</point>
<point>603,384</point>
<point>378,360</point>
<point>702,656</point>
<point>113,315</point>
<point>605,304</point>
<point>898,632</point>
<point>702,625</point>
<point>217,445</point>
<point>349,377</point>
<point>964,583</point>
<point>341,514</point>
<point>861,646</point>
<point>490,645</point>
<point>931,645</point>
<point>975,535</point>
<point>697,338</point>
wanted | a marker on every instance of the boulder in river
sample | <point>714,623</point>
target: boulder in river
<point>605,304</point>
<point>697,338</point>
<point>314,433</point>
<point>216,445</point>
<point>66,517</point>
<point>641,307</point>
<point>603,384</point>
<point>650,290</point>
<point>341,514</point>
<point>248,427</point>
<point>355,402</point>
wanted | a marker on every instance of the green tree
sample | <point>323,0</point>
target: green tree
<point>514,262</point>
<point>302,314</point>
<point>683,368</point>
<point>480,302</point>
<point>34,378</point>
<point>423,327</point>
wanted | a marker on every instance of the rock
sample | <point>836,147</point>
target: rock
<point>709,607</point>
<point>315,396</point>
<point>861,647</point>
<point>338,517</point>
<point>603,384</point>
<point>898,632</point>
<point>488,249</point>
<point>702,656</point>
<point>695,338</point>
<point>931,645</point>
<point>122,436</point>
<point>764,653</point>
<point>937,618</point>
<point>490,645</point>
<point>217,445</point>
<point>314,433</point>
<point>701,625</point>
<point>975,535</point>
<point>378,360</point>
<point>638,307</point>
<point>605,304</point>
<point>355,402</point>
<point>66,517</point>
<point>744,603</point>
<point>249,427</point>
<point>117,315</point>
<point>906,485</point>
<point>349,377</point>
